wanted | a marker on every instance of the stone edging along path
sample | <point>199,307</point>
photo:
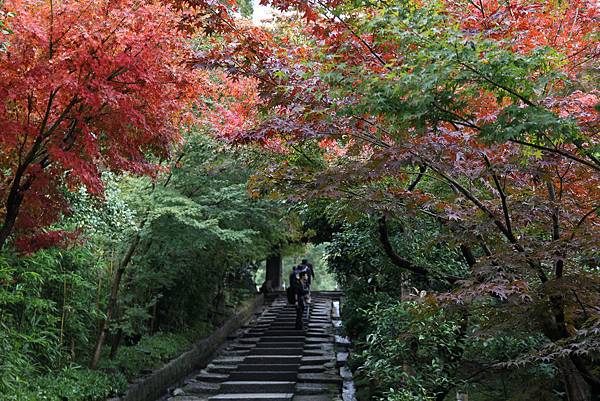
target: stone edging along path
<point>269,360</point>
<point>155,384</point>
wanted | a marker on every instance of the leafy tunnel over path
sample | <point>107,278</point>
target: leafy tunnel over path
<point>444,155</point>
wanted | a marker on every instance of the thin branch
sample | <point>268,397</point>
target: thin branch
<point>502,194</point>
<point>582,220</point>
<point>469,195</point>
<point>499,85</point>
<point>168,180</point>
<point>349,28</point>
<point>301,151</point>
<point>556,151</point>
<point>511,238</point>
<point>422,169</point>
<point>62,116</point>
<point>559,264</point>
<point>585,314</point>
<point>394,257</point>
<point>48,108</point>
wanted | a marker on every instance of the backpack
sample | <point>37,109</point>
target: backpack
<point>290,295</point>
<point>290,292</point>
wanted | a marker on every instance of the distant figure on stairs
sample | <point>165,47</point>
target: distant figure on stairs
<point>299,285</point>
<point>311,271</point>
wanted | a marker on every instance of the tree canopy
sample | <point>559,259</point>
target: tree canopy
<point>476,117</point>
<point>445,154</point>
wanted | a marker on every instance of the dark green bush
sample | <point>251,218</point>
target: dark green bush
<point>71,383</point>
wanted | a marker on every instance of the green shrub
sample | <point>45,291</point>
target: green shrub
<point>150,353</point>
<point>73,384</point>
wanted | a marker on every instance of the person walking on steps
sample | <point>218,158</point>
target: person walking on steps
<point>310,269</point>
<point>299,285</point>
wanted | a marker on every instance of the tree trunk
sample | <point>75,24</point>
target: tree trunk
<point>154,317</point>
<point>13,204</point>
<point>274,269</point>
<point>580,382</point>
<point>116,342</point>
<point>18,187</point>
<point>112,301</point>
<point>575,387</point>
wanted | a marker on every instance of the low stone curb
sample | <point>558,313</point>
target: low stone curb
<point>155,385</point>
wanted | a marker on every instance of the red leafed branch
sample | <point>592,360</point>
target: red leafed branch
<point>86,84</point>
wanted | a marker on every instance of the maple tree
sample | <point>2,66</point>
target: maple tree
<point>475,114</point>
<point>476,117</point>
<point>85,87</point>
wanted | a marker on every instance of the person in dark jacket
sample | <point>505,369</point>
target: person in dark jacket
<point>311,270</point>
<point>301,291</point>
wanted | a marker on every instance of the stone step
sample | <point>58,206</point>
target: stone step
<point>235,352</point>
<point>258,386</point>
<point>314,388</point>
<point>253,397</point>
<point>263,375</point>
<point>276,351</point>
<point>242,347</point>
<point>311,369</point>
<point>283,312</point>
<point>317,340</point>
<point>318,334</point>
<point>274,344</point>
<point>317,346</point>
<point>315,360</point>
<point>201,388</point>
<point>279,333</point>
<point>283,339</point>
<point>224,369</point>
<point>229,360</point>
<point>309,352</point>
<point>321,397</point>
<point>212,377</point>
<point>279,367</point>
<point>266,359</point>
<point>323,378</point>
<point>249,340</point>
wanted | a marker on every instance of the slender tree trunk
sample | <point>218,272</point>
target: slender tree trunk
<point>18,187</point>
<point>154,316</point>
<point>576,388</point>
<point>114,293</point>
<point>116,342</point>
<point>13,204</point>
<point>581,384</point>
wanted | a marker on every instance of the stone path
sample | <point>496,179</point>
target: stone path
<point>271,361</point>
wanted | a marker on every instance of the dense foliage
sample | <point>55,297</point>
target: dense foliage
<point>84,86</point>
<point>468,131</point>
<point>194,261</point>
<point>445,156</point>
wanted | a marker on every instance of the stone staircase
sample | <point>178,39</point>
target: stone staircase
<point>271,361</point>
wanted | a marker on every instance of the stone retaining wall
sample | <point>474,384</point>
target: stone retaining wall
<point>153,386</point>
